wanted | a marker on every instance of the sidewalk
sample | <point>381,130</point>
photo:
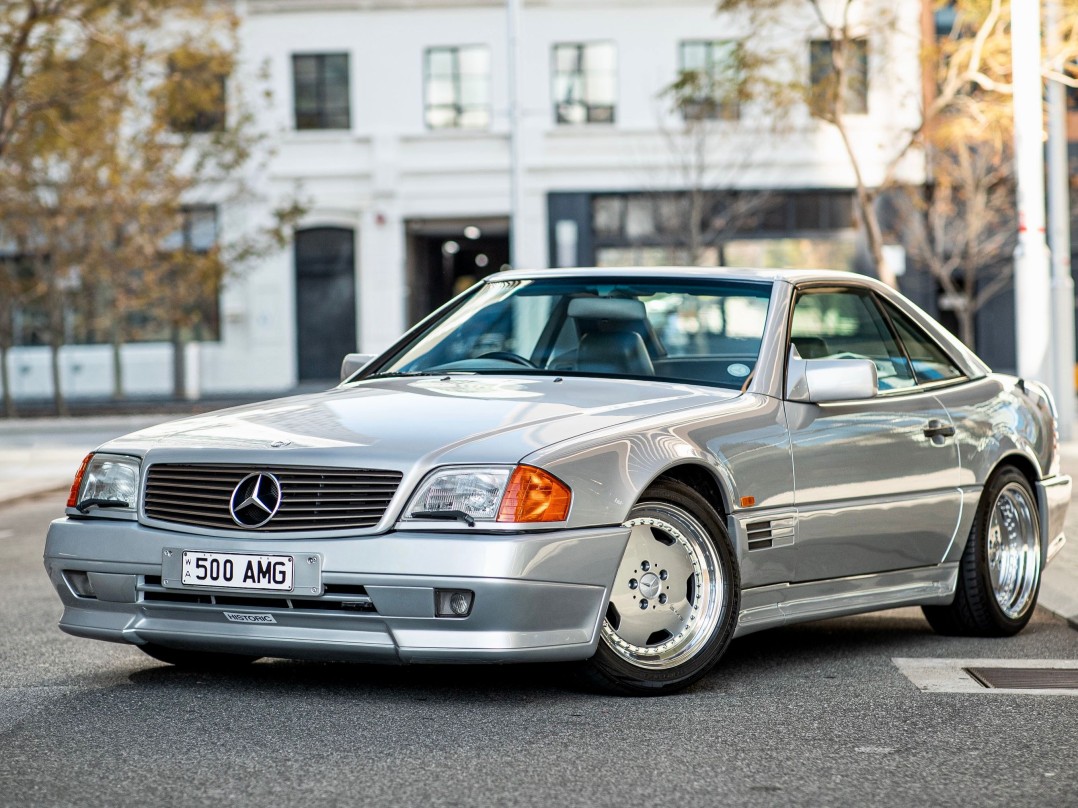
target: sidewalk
<point>38,455</point>
<point>41,455</point>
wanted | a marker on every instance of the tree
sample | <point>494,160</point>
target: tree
<point>841,34</point>
<point>962,227</point>
<point>114,124</point>
<point>709,209</point>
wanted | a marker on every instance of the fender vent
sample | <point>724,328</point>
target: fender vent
<point>759,534</point>
<point>764,534</point>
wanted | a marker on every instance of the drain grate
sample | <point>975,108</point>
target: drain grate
<point>1026,678</point>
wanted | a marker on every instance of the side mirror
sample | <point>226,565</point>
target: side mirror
<point>353,362</point>
<point>817,381</point>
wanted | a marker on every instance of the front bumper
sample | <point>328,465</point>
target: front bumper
<point>538,597</point>
<point>1053,499</point>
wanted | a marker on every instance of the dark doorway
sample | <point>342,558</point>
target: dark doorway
<point>445,257</point>
<point>325,301</point>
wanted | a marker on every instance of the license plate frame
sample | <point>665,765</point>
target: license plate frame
<point>245,572</point>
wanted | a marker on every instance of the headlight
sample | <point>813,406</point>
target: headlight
<point>495,493</point>
<point>476,492</point>
<point>106,481</point>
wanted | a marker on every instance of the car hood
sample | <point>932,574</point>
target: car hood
<point>401,423</point>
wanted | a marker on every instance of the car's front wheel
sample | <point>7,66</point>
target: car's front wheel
<point>1000,572</point>
<point>674,603</point>
<point>198,660</point>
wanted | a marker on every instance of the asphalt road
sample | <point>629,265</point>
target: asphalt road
<point>816,714</point>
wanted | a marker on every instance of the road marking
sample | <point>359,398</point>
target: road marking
<point>6,534</point>
<point>935,675</point>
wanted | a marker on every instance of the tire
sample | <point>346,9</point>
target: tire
<point>678,555</point>
<point>999,575</point>
<point>196,660</point>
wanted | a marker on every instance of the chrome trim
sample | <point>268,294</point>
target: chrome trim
<point>311,497</point>
<point>1013,550</point>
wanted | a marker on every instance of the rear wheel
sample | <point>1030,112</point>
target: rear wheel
<point>1000,572</point>
<point>197,660</point>
<point>674,603</point>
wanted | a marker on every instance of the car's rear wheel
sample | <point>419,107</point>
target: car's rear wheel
<point>1000,572</point>
<point>198,660</point>
<point>674,602</point>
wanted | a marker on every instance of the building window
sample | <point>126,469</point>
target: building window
<point>457,87</point>
<point>195,92</point>
<point>585,82</point>
<point>197,232</point>
<point>822,76</point>
<point>709,80</point>
<point>321,91</point>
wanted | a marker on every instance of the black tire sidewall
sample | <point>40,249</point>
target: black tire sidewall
<point>975,561</point>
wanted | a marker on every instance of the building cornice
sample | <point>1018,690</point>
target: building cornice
<point>306,6</point>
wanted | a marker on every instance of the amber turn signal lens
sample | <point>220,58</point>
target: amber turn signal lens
<point>534,496</point>
<point>73,497</point>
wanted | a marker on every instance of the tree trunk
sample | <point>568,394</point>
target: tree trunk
<point>179,364</point>
<point>57,389</point>
<point>117,364</point>
<point>56,342</point>
<point>696,215</point>
<point>866,205</point>
<point>5,382</point>
<point>967,325</point>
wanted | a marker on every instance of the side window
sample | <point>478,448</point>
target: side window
<point>848,324</point>
<point>930,363</point>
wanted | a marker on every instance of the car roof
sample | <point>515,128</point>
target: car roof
<point>694,273</point>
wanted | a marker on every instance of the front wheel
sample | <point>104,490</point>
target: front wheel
<point>1000,572</point>
<point>674,603</point>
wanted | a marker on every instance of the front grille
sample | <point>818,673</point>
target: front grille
<point>311,498</point>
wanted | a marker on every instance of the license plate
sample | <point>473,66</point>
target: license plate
<point>238,571</point>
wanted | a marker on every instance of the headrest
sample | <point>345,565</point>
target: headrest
<point>607,308</point>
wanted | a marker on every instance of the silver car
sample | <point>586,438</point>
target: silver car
<point>621,468</point>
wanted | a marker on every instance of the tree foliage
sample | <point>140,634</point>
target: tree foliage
<point>961,226</point>
<point>117,118</point>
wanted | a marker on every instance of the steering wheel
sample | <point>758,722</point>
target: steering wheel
<point>508,356</point>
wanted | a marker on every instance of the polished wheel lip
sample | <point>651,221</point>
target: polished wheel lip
<point>1013,550</point>
<point>709,590</point>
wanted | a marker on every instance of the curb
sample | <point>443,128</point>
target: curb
<point>38,493</point>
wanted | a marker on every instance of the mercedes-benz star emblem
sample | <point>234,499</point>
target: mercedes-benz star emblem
<point>255,500</point>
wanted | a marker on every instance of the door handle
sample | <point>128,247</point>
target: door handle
<point>937,431</point>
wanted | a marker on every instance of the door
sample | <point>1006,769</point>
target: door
<point>876,480</point>
<point>325,301</point>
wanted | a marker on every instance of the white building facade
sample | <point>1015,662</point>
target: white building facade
<point>390,119</point>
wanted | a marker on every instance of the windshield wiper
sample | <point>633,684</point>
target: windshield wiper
<point>449,516</point>
<point>86,504</point>
<point>397,373</point>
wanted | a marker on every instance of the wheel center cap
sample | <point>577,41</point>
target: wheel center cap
<point>649,585</point>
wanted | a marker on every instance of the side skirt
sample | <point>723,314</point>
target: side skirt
<point>782,604</point>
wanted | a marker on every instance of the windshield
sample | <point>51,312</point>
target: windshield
<point>673,330</point>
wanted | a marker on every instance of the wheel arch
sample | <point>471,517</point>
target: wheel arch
<point>1028,469</point>
<point>1026,466</point>
<point>703,479</point>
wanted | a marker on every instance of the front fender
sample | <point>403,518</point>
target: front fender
<point>744,446</point>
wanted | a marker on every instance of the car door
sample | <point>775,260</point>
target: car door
<point>876,480</point>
